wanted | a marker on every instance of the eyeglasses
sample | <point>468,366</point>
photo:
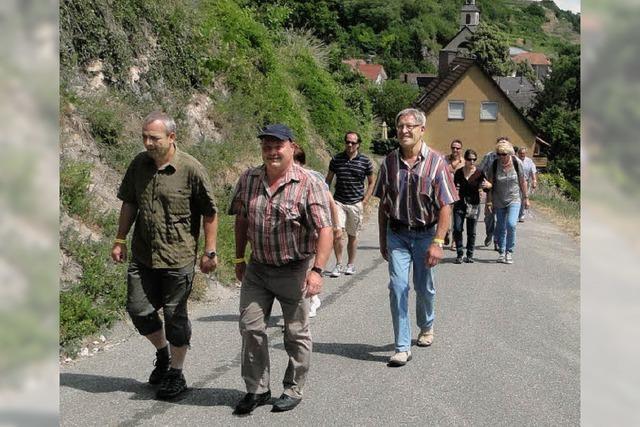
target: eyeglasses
<point>410,127</point>
<point>471,160</point>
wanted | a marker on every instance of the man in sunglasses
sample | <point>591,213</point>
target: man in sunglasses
<point>350,168</point>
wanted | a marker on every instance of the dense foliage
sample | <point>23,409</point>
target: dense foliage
<point>490,47</point>
<point>557,113</point>
<point>406,35</point>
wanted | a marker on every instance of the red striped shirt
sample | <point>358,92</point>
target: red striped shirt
<point>283,224</point>
<point>414,195</point>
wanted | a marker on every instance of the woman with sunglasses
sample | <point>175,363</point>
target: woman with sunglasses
<point>468,180</point>
<point>508,193</point>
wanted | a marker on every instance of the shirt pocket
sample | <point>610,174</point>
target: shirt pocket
<point>178,203</point>
<point>289,213</point>
<point>425,191</point>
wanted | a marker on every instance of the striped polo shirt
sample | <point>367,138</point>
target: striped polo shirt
<point>414,195</point>
<point>350,175</point>
<point>283,223</point>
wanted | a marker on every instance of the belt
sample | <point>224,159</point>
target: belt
<point>396,225</point>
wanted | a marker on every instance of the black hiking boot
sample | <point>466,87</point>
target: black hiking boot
<point>162,363</point>
<point>172,384</point>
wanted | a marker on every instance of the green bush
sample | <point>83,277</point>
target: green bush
<point>384,146</point>
<point>561,184</point>
<point>99,298</point>
<point>106,126</point>
<point>74,183</point>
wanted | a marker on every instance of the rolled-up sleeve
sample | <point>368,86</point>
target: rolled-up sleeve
<point>204,198</point>
<point>318,205</point>
<point>237,205</point>
<point>127,190</point>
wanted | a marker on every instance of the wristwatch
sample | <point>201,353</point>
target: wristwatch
<point>210,254</point>
<point>317,270</point>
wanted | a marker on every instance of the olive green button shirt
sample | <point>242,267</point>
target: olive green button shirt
<point>170,202</point>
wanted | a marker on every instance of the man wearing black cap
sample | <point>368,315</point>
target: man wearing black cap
<point>283,211</point>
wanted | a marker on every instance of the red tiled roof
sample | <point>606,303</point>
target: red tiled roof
<point>534,58</point>
<point>370,71</point>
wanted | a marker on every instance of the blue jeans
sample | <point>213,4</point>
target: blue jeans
<point>490,225</point>
<point>459,217</point>
<point>407,248</point>
<point>506,221</point>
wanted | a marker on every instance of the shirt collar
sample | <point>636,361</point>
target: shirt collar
<point>424,151</point>
<point>171,164</point>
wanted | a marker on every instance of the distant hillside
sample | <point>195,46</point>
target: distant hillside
<point>406,35</point>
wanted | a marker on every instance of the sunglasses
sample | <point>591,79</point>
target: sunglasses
<point>471,160</point>
<point>502,154</point>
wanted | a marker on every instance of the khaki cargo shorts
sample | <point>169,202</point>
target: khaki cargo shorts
<point>350,217</point>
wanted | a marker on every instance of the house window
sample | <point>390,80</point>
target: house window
<point>488,111</point>
<point>468,19</point>
<point>456,110</point>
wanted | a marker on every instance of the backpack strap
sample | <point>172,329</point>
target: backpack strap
<point>516,166</point>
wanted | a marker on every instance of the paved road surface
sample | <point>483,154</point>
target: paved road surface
<point>506,352</point>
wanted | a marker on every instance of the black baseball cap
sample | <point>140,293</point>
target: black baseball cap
<point>278,130</point>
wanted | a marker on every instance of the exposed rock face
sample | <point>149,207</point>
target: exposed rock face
<point>201,125</point>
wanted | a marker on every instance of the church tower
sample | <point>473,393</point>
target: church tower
<point>469,15</point>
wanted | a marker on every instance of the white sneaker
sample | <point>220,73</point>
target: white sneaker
<point>400,358</point>
<point>501,258</point>
<point>351,269</point>
<point>337,271</point>
<point>508,259</point>
<point>314,305</point>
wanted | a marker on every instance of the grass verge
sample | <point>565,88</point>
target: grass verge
<point>559,202</point>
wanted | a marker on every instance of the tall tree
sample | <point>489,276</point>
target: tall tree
<point>557,113</point>
<point>491,49</point>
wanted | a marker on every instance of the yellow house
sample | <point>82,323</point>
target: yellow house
<point>467,104</point>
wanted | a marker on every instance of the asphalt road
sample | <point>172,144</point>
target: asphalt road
<point>506,351</point>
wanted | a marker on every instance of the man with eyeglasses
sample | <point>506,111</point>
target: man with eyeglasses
<point>283,212</point>
<point>416,191</point>
<point>350,168</point>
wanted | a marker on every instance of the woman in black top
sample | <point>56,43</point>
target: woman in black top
<point>468,180</point>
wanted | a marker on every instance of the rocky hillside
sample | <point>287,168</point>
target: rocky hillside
<point>221,73</point>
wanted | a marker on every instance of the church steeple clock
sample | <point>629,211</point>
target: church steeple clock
<point>469,15</point>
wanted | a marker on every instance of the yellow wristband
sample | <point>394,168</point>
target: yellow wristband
<point>438,241</point>
<point>238,260</point>
<point>122,241</point>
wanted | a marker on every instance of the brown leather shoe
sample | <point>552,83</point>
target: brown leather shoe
<point>425,338</point>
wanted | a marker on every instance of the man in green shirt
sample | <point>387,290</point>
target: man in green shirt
<point>165,192</point>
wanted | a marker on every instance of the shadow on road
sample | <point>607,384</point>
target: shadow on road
<point>195,396</point>
<point>273,320</point>
<point>368,248</point>
<point>102,384</point>
<point>351,350</point>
